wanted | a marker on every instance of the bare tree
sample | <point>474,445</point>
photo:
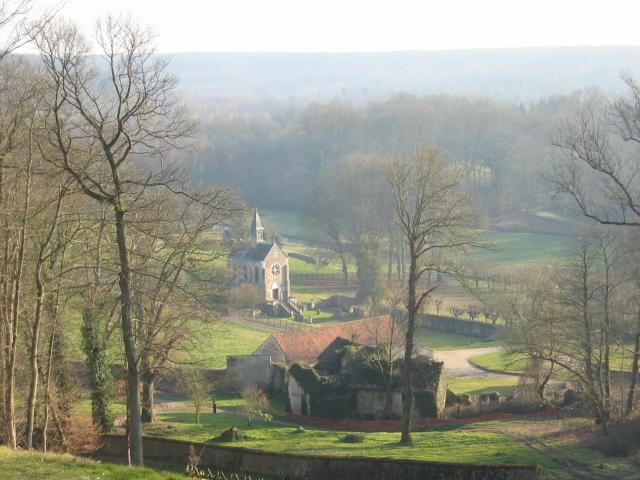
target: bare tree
<point>197,384</point>
<point>170,280</point>
<point>388,346</point>
<point>19,23</point>
<point>434,216</point>
<point>112,128</point>
<point>598,168</point>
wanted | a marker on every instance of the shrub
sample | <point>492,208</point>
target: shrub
<point>232,434</point>
<point>353,438</point>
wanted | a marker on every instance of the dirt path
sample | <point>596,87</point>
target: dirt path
<point>456,363</point>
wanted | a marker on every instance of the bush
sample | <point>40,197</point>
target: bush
<point>426,404</point>
<point>232,434</point>
<point>353,438</point>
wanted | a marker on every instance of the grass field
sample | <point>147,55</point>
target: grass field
<point>512,249</point>
<point>478,385</point>
<point>504,248</point>
<point>515,364</point>
<point>436,340</point>
<point>500,362</point>
<point>83,407</point>
<point>460,445</point>
<point>225,338</point>
<point>17,464</point>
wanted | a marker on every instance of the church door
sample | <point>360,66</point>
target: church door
<point>275,294</point>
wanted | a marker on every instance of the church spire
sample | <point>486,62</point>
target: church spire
<point>257,230</point>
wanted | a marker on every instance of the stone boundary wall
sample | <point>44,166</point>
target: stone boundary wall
<point>462,327</point>
<point>294,467</point>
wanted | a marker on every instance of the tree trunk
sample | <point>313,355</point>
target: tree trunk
<point>388,399</point>
<point>47,388</point>
<point>390,258</point>
<point>148,391</point>
<point>35,340</point>
<point>12,353</point>
<point>133,393</point>
<point>634,371</point>
<point>345,269</point>
<point>407,390</point>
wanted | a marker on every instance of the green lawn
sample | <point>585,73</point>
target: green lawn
<point>504,362</point>
<point>500,362</point>
<point>478,385</point>
<point>17,464</point>
<point>220,339</point>
<point>436,340</point>
<point>83,407</point>
<point>460,445</point>
<point>511,248</point>
<point>306,293</point>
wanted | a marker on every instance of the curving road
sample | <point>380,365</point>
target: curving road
<point>456,363</point>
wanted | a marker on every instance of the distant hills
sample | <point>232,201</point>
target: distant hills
<point>522,75</point>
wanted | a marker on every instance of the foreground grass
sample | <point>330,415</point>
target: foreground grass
<point>459,445</point>
<point>16,464</point>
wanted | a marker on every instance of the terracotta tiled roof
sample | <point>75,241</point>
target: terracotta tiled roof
<point>306,346</point>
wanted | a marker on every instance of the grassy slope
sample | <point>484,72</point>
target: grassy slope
<point>510,249</point>
<point>436,340</point>
<point>478,385</point>
<point>506,248</point>
<point>225,338</point>
<point>448,446</point>
<point>15,464</point>
<point>500,362</point>
<point>503,362</point>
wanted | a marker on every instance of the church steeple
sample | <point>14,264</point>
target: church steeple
<point>257,230</point>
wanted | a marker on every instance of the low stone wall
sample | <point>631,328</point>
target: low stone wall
<point>287,466</point>
<point>462,327</point>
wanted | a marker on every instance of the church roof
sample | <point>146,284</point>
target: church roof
<point>307,346</point>
<point>254,253</point>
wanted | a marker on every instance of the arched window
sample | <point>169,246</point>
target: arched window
<point>246,273</point>
<point>256,278</point>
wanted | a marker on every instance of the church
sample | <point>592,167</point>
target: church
<point>263,264</point>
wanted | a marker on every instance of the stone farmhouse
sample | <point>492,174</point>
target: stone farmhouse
<point>299,347</point>
<point>307,346</point>
<point>263,264</point>
<point>283,360</point>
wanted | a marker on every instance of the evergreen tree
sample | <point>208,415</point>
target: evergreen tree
<point>94,346</point>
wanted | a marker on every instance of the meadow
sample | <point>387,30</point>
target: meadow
<point>504,362</point>
<point>459,445</point>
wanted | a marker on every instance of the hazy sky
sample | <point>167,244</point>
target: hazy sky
<point>355,25</point>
